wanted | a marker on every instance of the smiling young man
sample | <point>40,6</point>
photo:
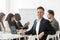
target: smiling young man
<point>52,19</point>
<point>41,26</point>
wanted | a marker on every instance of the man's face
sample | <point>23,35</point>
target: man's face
<point>17,18</point>
<point>49,16</point>
<point>40,13</point>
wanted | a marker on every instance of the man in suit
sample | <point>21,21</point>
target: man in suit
<point>53,21</point>
<point>41,26</point>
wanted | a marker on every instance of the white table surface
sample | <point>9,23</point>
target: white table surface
<point>13,36</point>
<point>9,36</point>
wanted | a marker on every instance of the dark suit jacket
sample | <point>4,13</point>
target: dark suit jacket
<point>45,27</point>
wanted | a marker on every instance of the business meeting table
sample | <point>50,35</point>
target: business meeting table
<point>9,36</point>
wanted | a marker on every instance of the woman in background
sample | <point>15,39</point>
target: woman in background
<point>2,16</point>
<point>10,22</point>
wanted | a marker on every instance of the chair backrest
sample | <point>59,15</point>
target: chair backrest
<point>31,37</point>
<point>57,32</point>
<point>51,36</point>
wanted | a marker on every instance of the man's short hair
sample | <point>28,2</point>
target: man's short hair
<point>51,12</point>
<point>41,8</point>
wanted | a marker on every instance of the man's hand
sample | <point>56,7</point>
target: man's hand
<point>40,35</point>
<point>22,31</point>
<point>26,24</point>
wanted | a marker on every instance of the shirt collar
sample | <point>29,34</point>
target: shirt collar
<point>39,19</point>
<point>52,20</point>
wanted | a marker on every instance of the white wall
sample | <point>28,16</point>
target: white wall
<point>3,6</point>
<point>28,15</point>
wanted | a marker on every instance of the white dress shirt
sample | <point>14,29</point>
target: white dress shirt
<point>37,27</point>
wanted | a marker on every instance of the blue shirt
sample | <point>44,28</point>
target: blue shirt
<point>13,30</point>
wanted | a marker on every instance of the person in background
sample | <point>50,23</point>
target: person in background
<point>41,27</point>
<point>10,22</point>
<point>53,21</point>
<point>2,16</point>
<point>18,22</point>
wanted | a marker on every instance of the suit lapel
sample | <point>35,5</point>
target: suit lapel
<point>40,24</point>
<point>35,23</point>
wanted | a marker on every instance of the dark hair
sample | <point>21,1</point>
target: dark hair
<point>17,17</point>
<point>51,12</point>
<point>1,16</point>
<point>10,15</point>
<point>40,7</point>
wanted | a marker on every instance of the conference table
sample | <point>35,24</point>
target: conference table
<point>9,36</point>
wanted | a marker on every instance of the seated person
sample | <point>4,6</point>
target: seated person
<point>11,28</point>
<point>2,16</point>
<point>10,22</point>
<point>18,22</point>
<point>53,21</point>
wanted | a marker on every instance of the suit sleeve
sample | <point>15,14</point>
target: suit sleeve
<point>50,29</point>
<point>30,31</point>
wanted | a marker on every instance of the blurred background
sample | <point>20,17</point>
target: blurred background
<point>27,8</point>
